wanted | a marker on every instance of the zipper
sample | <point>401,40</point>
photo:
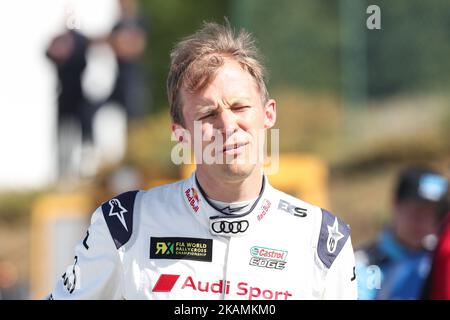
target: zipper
<point>224,284</point>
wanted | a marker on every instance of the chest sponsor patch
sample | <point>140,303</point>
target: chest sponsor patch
<point>178,248</point>
<point>268,258</point>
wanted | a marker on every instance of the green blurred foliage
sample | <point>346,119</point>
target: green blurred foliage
<point>302,41</point>
<point>16,206</point>
<point>150,145</point>
<point>169,21</point>
<point>412,50</point>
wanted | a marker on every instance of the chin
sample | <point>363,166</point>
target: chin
<point>238,170</point>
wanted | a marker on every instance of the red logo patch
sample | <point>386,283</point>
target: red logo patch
<point>165,282</point>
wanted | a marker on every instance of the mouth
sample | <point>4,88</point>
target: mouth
<point>234,148</point>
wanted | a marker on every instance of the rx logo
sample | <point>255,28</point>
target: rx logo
<point>116,209</point>
<point>164,248</point>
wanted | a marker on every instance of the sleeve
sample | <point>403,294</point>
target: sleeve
<point>97,271</point>
<point>341,281</point>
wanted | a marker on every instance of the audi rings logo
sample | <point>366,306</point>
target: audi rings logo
<point>230,227</point>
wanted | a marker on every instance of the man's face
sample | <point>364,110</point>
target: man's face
<point>231,115</point>
<point>413,220</point>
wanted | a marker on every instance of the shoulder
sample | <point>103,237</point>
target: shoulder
<point>120,210</point>
<point>329,232</point>
<point>294,206</point>
<point>163,193</point>
<point>118,214</point>
<point>333,235</point>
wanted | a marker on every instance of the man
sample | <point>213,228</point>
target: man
<point>224,233</point>
<point>397,264</point>
<point>128,40</point>
<point>68,53</point>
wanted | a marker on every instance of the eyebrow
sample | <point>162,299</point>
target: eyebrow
<point>209,106</point>
<point>205,109</point>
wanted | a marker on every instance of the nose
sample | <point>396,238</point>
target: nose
<point>227,121</point>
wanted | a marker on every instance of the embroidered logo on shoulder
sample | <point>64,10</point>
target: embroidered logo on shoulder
<point>116,209</point>
<point>193,198</point>
<point>333,236</point>
<point>118,214</point>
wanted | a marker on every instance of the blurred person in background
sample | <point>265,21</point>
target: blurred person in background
<point>67,51</point>
<point>396,265</point>
<point>128,40</point>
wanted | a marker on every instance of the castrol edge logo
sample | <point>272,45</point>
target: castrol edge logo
<point>168,283</point>
<point>267,253</point>
<point>268,258</point>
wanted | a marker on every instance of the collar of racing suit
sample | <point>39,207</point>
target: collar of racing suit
<point>216,220</point>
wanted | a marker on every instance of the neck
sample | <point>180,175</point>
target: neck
<point>220,189</point>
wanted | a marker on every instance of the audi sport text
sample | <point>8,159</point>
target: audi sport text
<point>241,288</point>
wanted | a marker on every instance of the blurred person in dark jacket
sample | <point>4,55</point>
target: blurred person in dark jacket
<point>396,265</point>
<point>67,51</point>
<point>128,41</point>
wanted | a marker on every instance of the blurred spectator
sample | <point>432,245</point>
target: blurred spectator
<point>128,41</point>
<point>438,282</point>
<point>396,265</point>
<point>68,53</point>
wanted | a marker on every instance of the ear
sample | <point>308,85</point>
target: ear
<point>179,133</point>
<point>270,113</point>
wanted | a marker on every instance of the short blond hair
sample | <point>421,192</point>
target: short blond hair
<point>196,59</point>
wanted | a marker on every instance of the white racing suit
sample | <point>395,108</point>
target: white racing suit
<point>170,243</point>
